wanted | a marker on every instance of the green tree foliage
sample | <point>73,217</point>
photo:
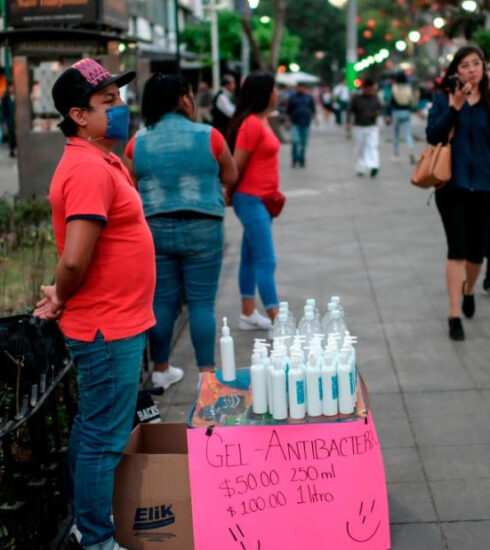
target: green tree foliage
<point>482,38</point>
<point>198,38</point>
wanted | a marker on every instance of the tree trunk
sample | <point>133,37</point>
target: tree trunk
<point>247,27</point>
<point>280,18</point>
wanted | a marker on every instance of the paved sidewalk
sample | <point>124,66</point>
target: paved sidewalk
<point>9,175</point>
<point>379,246</point>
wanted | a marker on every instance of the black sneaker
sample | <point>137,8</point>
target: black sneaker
<point>468,305</point>
<point>486,284</point>
<point>374,172</point>
<point>456,331</point>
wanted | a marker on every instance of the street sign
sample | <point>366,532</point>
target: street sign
<point>32,13</point>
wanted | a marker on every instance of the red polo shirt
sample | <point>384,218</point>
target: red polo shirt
<point>116,295</point>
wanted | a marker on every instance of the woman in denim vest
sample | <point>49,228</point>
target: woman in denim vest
<point>464,203</point>
<point>256,153</point>
<point>181,167</point>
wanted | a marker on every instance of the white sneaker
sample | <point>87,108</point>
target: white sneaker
<point>117,547</point>
<point>167,378</point>
<point>75,532</point>
<point>256,321</point>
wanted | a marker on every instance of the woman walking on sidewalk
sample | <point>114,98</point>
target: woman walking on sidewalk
<point>464,203</point>
<point>181,166</point>
<point>256,153</point>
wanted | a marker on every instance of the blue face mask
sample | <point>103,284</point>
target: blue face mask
<point>117,123</point>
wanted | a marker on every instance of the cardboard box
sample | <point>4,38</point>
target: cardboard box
<point>152,503</point>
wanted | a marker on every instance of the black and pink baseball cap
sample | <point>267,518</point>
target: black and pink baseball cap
<point>75,85</point>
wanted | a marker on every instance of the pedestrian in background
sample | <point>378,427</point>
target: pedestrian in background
<point>204,100</point>
<point>223,106</point>
<point>181,167</point>
<point>463,106</point>
<point>400,113</point>
<point>8,117</point>
<point>341,98</point>
<point>301,109</point>
<point>326,99</point>
<point>103,291</point>
<point>365,108</point>
<point>256,153</point>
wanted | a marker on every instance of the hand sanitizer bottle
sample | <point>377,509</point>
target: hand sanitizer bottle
<point>346,383</point>
<point>330,381</point>
<point>227,350</point>
<point>279,394</point>
<point>314,390</point>
<point>297,390</point>
<point>258,377</point>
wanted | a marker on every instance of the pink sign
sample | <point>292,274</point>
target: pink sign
<point>311,486</point>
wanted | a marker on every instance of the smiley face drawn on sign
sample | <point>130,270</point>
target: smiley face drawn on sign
<point>238,535</point>
<point>358,530</point>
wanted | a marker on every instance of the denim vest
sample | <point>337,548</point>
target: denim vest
<point>176,169</point>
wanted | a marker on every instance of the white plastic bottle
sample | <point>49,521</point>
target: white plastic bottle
<point>314,389</point>
<point>279,394</point>
<point>270,371</point>
<point>346,383</point>
<point>227,350</point>
<point>330,381</point>
<point>258,377</point>
<point>297,389</point>
<point>348,345</point>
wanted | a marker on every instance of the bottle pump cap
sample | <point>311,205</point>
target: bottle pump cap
<point>225,331</point>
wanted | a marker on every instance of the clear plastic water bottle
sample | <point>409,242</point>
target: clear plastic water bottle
<point>328,316</point>
<point>284,308</point>
<point>312,303</point>
<point>336,325</point>
<point>307,327</point>
<point>282,328</point>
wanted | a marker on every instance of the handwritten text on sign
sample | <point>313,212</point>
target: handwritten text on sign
<point>315,486</point>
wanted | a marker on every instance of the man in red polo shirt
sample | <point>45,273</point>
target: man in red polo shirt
<point>104,287</point>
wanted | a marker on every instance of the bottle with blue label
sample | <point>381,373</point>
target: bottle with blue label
<point>330,381</point>
<point>297,389</point>
<point>258,377</point>
<point>279,391</point>
<point>346,372</point>
<point>314,389</point>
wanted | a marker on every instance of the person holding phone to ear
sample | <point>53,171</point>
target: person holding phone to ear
<point>463,105</point>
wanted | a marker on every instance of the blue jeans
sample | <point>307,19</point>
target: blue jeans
<point>299,137</point>
<point>108,375</point>
<point>257,261</point>
<point>401,119</point>
<point>189,255</point>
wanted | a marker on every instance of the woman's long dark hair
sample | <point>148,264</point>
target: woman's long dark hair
<point>161,96</point>
<point>253,98</point>
<point>463,52</point>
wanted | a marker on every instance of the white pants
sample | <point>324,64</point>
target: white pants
<point>366,144</point>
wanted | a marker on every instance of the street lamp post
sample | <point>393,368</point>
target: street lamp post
<point>351,53</point>
<point>214,44</point>
<point>351,42</point>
